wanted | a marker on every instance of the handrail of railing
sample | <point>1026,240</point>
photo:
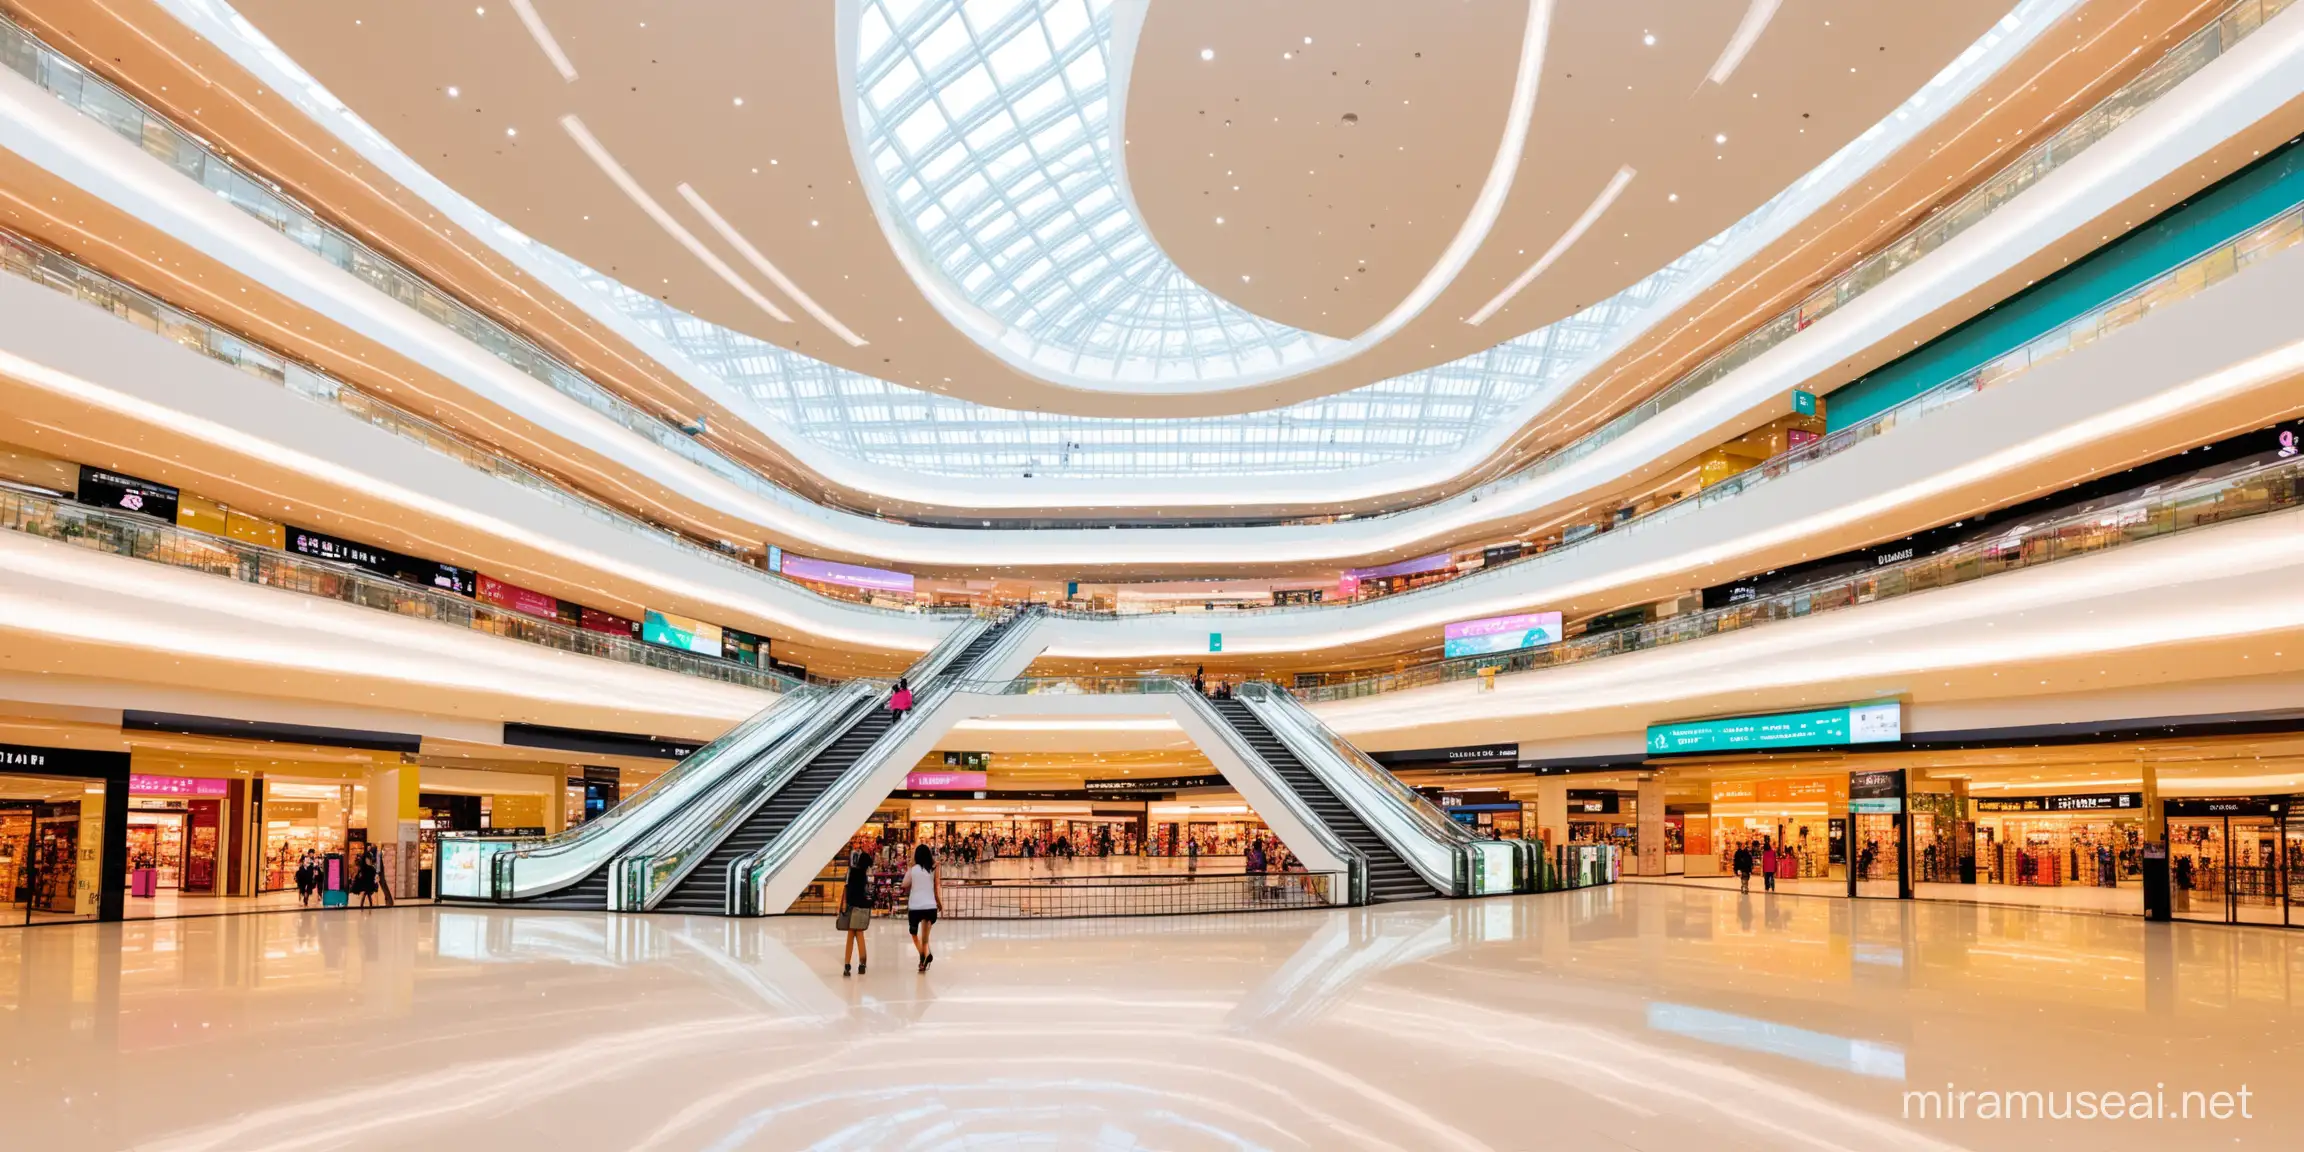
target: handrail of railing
<point>144,538</point>
<point>748,876</point>
<point>45,266</point>
<point>645,874</point>
<point>533,865</point>
<point>261,198</point>
<point>1440,849</point>
<point>2272,487</point>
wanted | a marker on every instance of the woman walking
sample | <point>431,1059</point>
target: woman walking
<point>856,910</point>
<point>1768,863</point>
<point>924,890</point>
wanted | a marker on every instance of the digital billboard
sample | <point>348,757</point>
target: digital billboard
<point>848,575</point>
<point>1501,634</point>
<point>680,632</point>
<point>1820,728</point>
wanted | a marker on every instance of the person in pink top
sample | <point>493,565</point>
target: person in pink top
<point>1768,865</point>
<point>900,701</point>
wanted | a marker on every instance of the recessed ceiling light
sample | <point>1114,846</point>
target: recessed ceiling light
<point>1649,39</point>
<point>511,131</point>
<point>1207,53</point>
<point>452,90</point>
<point>812,223</point>
<point>1219,219</point>
<point>1307,39</point>
<point>739,101</point>
<point>479,11</point>
<point>1719,138</point>
<point>1243,278</point>
<point>1673,197</point>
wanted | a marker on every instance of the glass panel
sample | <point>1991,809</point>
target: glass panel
<point>51,848</point>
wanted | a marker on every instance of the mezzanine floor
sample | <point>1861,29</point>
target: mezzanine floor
<point>1638,1016</point>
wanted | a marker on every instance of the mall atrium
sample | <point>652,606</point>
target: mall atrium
<point>1413,574</point>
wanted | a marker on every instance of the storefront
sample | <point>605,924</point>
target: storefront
<point>2237,860</point>
<point>63,834</point>
<point>2094,840</point>
<point>302,816</point>
<point>177,834</point>
<point>1802,817</point>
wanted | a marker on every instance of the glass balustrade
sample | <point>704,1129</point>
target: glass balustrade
<point>127,534</point>
<point>507,869</point>
<point>2274,487</point>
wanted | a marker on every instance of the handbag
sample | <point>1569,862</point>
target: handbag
<point>854,920</point>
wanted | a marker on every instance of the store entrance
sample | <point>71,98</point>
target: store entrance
<point>155,851</point>
<point>2226,864</point>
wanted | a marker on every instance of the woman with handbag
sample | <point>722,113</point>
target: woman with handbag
<point>855,909</point>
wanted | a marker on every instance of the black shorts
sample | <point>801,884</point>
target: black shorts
<point>920,916</point>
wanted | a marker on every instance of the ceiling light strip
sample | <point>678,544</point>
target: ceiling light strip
<point>1489,204</point>
<point>639,196</point>
<point>1747,34</point>
<point>1575,232</point>
<point>543,38</point>
<point>761,264</point>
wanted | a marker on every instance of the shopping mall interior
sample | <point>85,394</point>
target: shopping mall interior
<point>540,551</point>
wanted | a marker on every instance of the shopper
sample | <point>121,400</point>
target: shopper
<point>855,914</point>
<point>1767,864</point>
<point>1200,680</point>
<point>1192,854</point>
<point>1255,865</point>
<point>1743,865</point>
<point>307,877</point>
<point>900,700</point>
<point>364,877</point>
<point>924,896</point>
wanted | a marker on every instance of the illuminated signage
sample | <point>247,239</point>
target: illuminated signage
<point>127,493</point>
<point>1500,634</point>
<point>1820,728</point>
<point>846,575</point>
<point>142,785</point>
<point>945,781</point>
<point>2094,802</point>
<point>680,632</point>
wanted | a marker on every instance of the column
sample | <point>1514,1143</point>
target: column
<point>393,810</point>
<point>2159,893</point>
<point>1552,810</point>
<point>1651,826</point>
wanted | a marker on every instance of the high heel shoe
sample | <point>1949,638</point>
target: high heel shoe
<point>844,969</point>
<point>860,969</point>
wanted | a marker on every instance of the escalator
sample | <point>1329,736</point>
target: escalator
<point>1390,877</point>
<point>704,888</point>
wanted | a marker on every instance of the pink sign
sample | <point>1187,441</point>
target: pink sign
<point>945,781</point>
<point>852,575</point>
<point>518,599</point>
<point>141,785</point>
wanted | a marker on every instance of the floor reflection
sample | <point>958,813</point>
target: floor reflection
<point>1645,1017</point>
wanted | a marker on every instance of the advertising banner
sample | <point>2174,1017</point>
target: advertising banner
<point>382,561</point>
<point>1823,727</point>
<point>1432,563</point>
<point>142,785</point>
<point>127,493</point>
<point>594,620</point>
<point>514,598</point>
<point>681,632</point>
<point>848,575</point>
<point>1500,634</point>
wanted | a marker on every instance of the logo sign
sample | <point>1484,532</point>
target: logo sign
<point>972,761</point>
<point>945,781</point>
<point>1803,402</point>
<point>2093,802</point>
<point>1151,784</point>
<point>142,785</point>
<point>1215,641</point>
<point>1823,727</point>
<point>1500,634</point>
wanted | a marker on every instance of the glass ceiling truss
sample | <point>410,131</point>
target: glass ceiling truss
<point>987,125</point>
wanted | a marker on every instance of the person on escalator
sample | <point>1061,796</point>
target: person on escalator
<point>856,910</point>
<point>900,700</point>
<point>924,896</point>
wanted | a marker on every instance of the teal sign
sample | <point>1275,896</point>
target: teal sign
<point>1822,728</point>
<point>1803,402</point>
<point>1215,641</point>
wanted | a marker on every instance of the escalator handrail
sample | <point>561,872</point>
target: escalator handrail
<point>748,876</point>
<point>641,879</point>
<point>1355,861</point>
<point>634,816</point>
<point>1423,836</point>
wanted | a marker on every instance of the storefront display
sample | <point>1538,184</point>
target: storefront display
<point>303,816</point>
<point>1791,814</point>
<point>2094,840</point>
<point>2228,859</point>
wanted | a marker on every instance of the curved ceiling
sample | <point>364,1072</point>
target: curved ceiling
<point>700,153</point>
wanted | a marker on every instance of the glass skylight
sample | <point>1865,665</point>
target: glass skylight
<point>986,127</point>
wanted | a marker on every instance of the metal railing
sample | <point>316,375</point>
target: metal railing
<point>30,260</point>
<point>1070,897</point>
<point>2273,487</point>
<point>141,538</point>
<point>267,202</point>
<point>748,878</point>
<point>509,869</point>
<point>1443,852</point>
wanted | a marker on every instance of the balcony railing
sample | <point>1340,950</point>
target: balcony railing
<point>1054,897</point>
<point>2273,487</point>
<point>126,534</point>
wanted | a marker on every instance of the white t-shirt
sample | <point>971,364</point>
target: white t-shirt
<point>923,885</point>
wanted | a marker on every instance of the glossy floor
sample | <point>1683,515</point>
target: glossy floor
<point>1643,1017</point>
